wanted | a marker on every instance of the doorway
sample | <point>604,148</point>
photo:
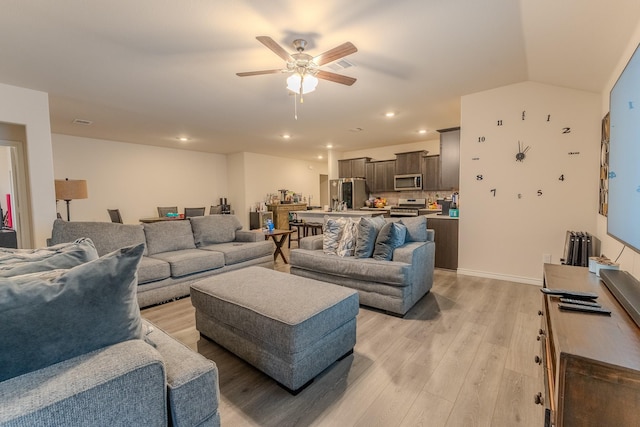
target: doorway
<point>14,189</point>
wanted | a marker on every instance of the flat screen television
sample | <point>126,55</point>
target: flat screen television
<point>623,220</point>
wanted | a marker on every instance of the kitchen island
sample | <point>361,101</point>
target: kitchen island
<point>318,215</point>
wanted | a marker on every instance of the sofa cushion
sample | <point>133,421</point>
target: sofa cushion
<point>416,228</point>
<point>368,269</point>
<point>14,262</point>
<point>237,252</point>
<point>166,236</point>
<point>106,236</point>
<point>391,236</point>
<point>190,261</point>
<point>368,229</point>
<point>331,232</point>
<point>152,269</point>
<point>211,229</point>
<point>91,306</point>
<point>347,243</point>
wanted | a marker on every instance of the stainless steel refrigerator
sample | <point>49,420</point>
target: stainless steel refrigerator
<point>351,191</point>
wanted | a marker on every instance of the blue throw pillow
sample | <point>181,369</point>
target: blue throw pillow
<point>416,228</point>
<point>391,236</point>
<point>368,229</point>
<point>15,262</point>
<point>45,320</point>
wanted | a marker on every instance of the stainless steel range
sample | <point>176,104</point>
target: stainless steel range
<point>408,207</point>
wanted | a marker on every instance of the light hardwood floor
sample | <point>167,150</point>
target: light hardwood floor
<point>463,356</point>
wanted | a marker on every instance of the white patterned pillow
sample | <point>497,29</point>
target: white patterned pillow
<point>347,243</point>
<point>331,233</point>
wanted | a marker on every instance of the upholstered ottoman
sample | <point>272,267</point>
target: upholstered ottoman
<point>289,327</point>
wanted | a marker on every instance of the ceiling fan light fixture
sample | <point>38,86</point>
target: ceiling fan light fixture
<point>296,81</point>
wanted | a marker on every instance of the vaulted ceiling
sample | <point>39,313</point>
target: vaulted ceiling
<point>150,71</point>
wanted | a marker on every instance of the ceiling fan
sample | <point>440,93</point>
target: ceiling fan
<point>304,68</point>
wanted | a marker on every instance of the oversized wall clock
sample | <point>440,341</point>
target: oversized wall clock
<point>517,138</point>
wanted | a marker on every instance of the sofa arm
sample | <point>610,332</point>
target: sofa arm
<point>311,242</point>
<point>192,382</point>
<point>405,252</point>
<point>431,235</point>
<point>249,236</point>
<point>120,384</point>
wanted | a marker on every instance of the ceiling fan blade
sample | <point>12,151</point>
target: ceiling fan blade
<point>257,73</point>
<point>275,47</point>
<point>336,78</point>
<point>336,53</point>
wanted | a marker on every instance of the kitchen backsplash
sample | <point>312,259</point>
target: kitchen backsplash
<point>393,196</point>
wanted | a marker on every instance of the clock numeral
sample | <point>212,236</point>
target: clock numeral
<point>519,196</point>
<point>475,158</point>
<point>539,193</point>
<point>523,115</point>
<point>481,139</point>
<point>493,190</point>
<point>548,117</point>
<point>479,177</point>
<point>499,122</point>
<point>566,130</point>
<point>561,178</point>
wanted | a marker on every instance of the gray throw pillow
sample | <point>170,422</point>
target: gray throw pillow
<point>15,262</point>
<point>212,229</point>
<point>391,236</point>
<point>416,228</point>
<point>368,229</point>
<point>166,236</point>
<point>45,320</point>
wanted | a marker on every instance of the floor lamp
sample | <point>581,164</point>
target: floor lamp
<point>70,189</point>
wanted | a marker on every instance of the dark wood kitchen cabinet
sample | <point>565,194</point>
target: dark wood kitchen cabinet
<point>410,162</point>
<point>449,159</point>
<point>431,173</point>
<point>590,362</point>
<point>380,175</point>
<point>446,239</point>
<point>353,168</point>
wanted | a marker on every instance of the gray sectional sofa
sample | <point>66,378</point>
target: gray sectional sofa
<point>177,252</point>
<point>393,285</point>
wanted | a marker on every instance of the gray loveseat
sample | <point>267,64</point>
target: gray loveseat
<point>393,286</point>
<point>177,252</point>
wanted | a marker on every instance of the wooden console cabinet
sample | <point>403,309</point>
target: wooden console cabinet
<point>591,362</point>
<point>281,213</point>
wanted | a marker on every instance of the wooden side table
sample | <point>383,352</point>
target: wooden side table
<point>279,237</point>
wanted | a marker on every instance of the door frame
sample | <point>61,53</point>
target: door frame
<point>20,193</point>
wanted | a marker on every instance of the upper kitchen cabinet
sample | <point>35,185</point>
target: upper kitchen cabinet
<point>380,175</point>
<point>450,159</point>
<point>431,173</point>
<point>353,168</point>
<point>410,162</point>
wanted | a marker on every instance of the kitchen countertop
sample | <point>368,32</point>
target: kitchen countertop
<point>321,213</point>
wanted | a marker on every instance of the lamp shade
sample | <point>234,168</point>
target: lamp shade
<point>71,189</point>
<point>308,83</point>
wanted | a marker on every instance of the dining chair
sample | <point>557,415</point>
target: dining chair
<point>115,216</point>
<point>189,212</point>
<point>215,210</point>
<point>164,210</point>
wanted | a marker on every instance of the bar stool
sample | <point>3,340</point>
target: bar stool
<point>313,227</point>
<point>299,229</point>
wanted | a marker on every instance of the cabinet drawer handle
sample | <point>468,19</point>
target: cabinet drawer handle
<point>538,360</point>
<point>539,399</point>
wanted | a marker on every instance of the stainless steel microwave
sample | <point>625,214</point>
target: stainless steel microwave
<point>411,181</point>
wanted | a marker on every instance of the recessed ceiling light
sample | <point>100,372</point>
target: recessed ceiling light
<point>83,122</point>
<point>390,114</point>
<point>183,139</point>
<point>422,131</point>
<point>329,145</point>
<point>286,136</point>
<point>320,157</point>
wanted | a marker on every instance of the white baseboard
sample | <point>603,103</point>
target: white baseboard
<point>498,276</point>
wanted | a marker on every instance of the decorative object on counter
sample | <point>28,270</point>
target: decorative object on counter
<point>69,190</point>
<point>453,209</point>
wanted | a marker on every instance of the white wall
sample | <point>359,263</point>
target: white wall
<point>136,178</point>
<point>505,236</point>
<point>5,172</point>
<point>31,108</point>
<point>388,152</point>
<point>629,260</point>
